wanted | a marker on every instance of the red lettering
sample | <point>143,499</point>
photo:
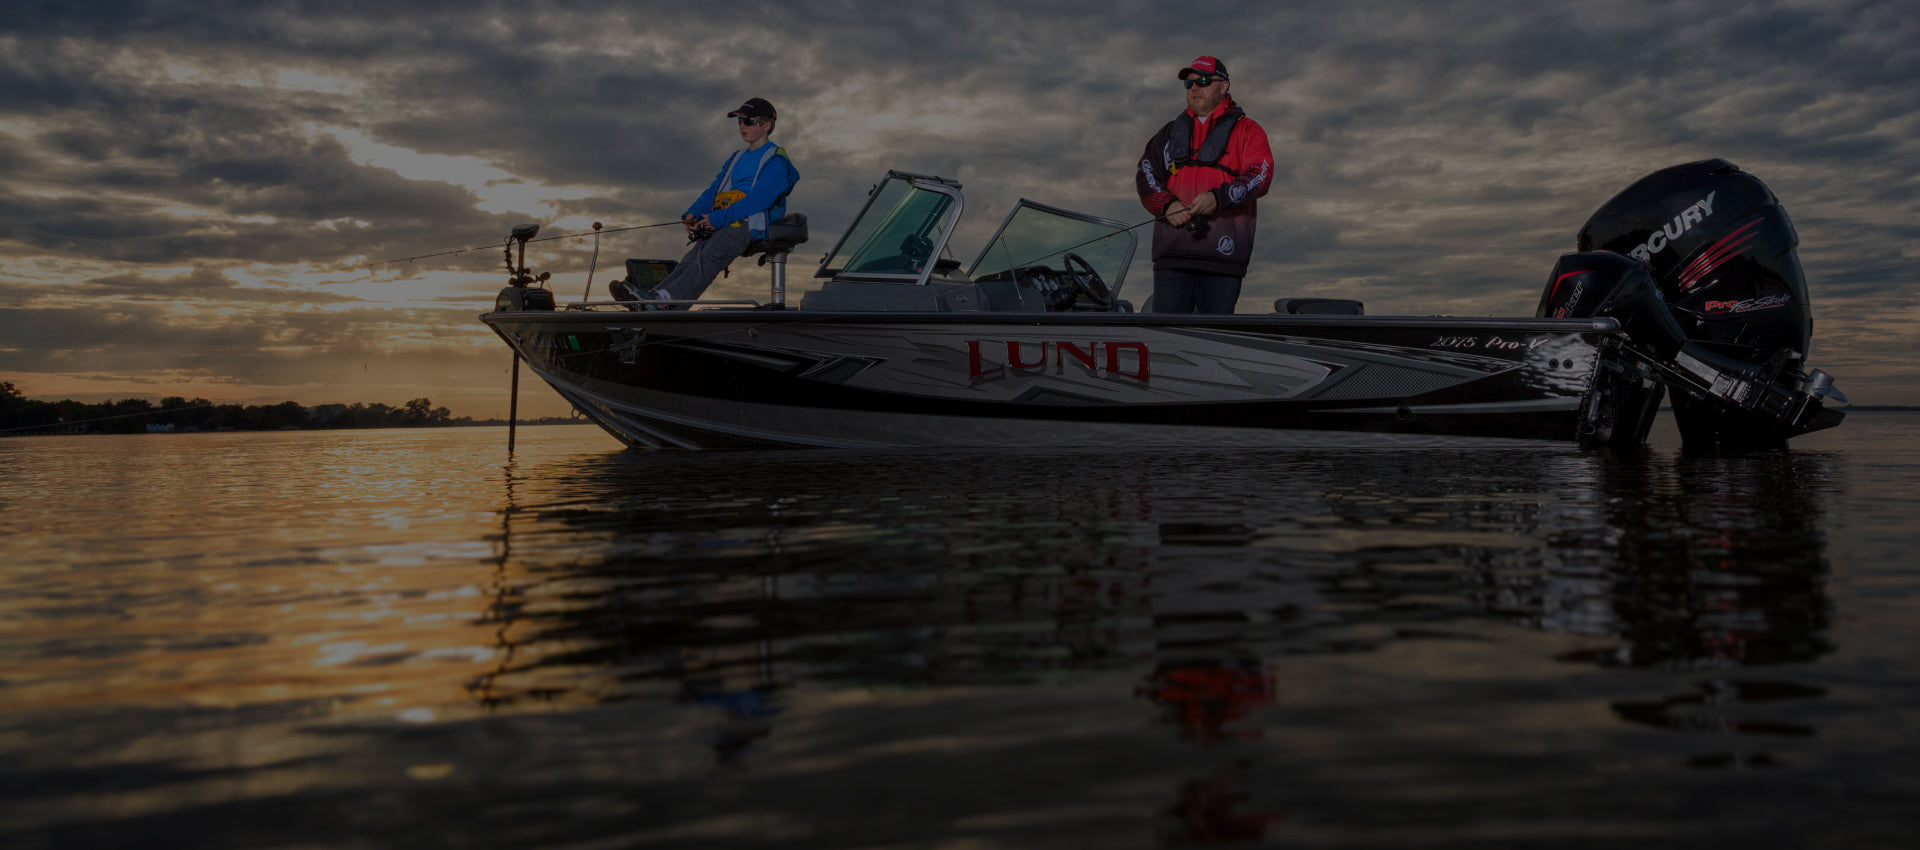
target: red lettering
<point>973,361</point>
<point>1087,357</point>
<point>1060,349</point>
<point>1139,350</point>
<point>1013,356</point>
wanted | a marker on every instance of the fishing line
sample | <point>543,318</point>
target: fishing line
<point>914,301</point>
<point>541,239</point>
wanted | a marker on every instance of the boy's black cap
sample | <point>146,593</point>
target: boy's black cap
<point>754,108</point>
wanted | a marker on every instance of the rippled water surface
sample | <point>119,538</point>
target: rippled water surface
<point>405,639</point>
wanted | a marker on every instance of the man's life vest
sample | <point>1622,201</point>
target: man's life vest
<point>1212,148</point>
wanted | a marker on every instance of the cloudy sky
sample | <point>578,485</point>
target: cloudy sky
<point>195,197</point>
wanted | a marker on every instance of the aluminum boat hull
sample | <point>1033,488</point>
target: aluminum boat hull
<point>708,379</point>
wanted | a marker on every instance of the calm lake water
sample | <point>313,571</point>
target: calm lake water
<point>405,639</point>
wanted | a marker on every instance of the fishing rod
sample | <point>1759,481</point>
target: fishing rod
<point>596,231</point>
<point>524,234</point>
<point>909,302</point>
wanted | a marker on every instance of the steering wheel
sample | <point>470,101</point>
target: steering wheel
<point>917,249</point>
<point>1087,280</point>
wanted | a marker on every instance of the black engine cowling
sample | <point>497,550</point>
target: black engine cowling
<point>1721,249</point>
<point>1697,263</point>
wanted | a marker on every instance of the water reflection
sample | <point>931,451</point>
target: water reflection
<point>1219,809</point>
<point>1720,566</point>
<point>1716,563</point>
<point>600,647</point>
<point>1207,699</point>
<point>729,588</point>
<point>1065,563</point>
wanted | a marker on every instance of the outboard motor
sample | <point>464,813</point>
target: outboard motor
<point>1697,263</point>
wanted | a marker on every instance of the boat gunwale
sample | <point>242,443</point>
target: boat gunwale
<point>1601,325</point>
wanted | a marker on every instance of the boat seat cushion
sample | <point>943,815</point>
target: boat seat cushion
<point>1318,306</point>
<point>782,235</point>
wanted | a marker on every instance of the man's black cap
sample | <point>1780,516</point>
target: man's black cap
<point>754,108</point>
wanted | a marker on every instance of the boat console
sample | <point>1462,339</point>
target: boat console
<point>896,257</point>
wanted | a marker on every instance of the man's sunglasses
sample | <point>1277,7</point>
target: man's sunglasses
<point>1202,82</point>
<point>753,122</point>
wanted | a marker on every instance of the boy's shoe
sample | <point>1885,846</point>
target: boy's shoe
<point>627,290</point>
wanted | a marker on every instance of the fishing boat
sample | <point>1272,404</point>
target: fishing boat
<point>1687,283</point>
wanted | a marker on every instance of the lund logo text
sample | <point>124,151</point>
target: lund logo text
<point>1116,359</point>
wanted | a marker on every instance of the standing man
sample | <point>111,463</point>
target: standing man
<point>750,190</point>
<point>1200,177</point>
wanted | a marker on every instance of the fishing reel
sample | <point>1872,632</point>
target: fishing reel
<point>696,232</point>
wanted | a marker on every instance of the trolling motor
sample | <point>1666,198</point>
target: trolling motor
<point>520,293</point>
<point>1697,263</point>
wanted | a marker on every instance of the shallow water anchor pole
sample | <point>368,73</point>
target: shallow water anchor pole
<point>513,403</point>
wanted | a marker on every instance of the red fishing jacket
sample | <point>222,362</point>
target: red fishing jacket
<point>1233,161</point>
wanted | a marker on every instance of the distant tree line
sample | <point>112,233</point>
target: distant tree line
<point>21,415</point>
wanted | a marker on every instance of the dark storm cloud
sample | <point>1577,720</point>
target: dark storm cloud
<point>138,152</point>
<point>1432,156</point>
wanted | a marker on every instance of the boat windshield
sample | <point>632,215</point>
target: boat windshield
<point>897,237</point>
<point>1037,235</point>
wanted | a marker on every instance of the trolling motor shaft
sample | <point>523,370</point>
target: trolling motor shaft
<point>520,293</point>
<point>517,275</point>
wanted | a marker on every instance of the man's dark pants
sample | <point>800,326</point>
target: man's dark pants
<point>1183,291</point>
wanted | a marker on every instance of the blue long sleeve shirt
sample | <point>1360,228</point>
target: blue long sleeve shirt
<point>768,194</point>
